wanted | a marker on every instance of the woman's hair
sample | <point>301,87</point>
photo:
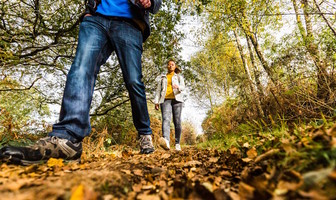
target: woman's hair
<point>177,69</point>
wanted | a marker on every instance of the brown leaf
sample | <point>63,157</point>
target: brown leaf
<point>252,153</point>
<point>313,194</point>
<point>225,173</point>
<point>148,187</point>
<point>213,159</point>
<point>234,196</point>
<point>332,175</point>
<point>137,187</point>
<point>126,171</point>
<point>220,194</point>
<point>332,131</point>
<point>138,172</point>
<point>233,149</point>
<point>192,163</point>
<point>147,197</point>
<point>208,186</point>
<point>247,160</point>
<point>16,185</point>
<point>165,156</point>
<point>266,155</point>
<point>246,191</point>
<point>333,142</point>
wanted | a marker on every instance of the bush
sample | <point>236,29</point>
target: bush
<point>188,134</point>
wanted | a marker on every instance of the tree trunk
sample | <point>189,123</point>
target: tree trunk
<point>308,38</point>
<point>253,90</point>
<point>255,69</point>
<point>246,27</point>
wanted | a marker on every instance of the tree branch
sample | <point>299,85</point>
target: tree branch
<point>20,89</point>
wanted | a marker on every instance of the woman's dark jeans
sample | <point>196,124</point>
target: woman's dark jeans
<point>98,38</point>
<point>169,107</point>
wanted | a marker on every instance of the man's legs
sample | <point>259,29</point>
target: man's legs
<point>93,50</point>
<point>127,42</point>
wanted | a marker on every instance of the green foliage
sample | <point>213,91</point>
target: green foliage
<point>20,110</point>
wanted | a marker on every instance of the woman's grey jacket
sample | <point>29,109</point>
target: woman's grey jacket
<point>161,89</point>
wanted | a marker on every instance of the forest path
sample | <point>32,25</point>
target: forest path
<point>188,174</point>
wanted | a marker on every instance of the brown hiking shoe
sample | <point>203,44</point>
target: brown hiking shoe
<point>42,150</point>
<point>146,144</point>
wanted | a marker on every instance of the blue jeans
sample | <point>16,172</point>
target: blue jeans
<point>98,38</point>
<point>169,107</point>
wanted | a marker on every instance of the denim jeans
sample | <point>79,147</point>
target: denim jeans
<point>98,38</point>
<point>169,107</point>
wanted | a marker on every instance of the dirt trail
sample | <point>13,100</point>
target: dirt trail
<point>127,174</point>
<point>189,174</point>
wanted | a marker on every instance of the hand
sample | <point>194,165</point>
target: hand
<point>87,15</point>
<point>145,3</point>
<point>156,106</point>
<point>175,86</point>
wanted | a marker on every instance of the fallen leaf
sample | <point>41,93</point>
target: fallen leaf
<point>247,160</point>
<point>192,163</point>
<point>213,159</point>
<point>78,193</point>
<point>225,173</point>
<point>53,162</point>
<point>252,153</point>
<point>137,187</point>
<point>208,186</point>
<point>165,156</point>
<point>138,172</point>
<point>246,145</point>
<point>148,187</point>
<point>233,149</point>
<point>126,171</point>
<point>266,155</point>
<point>17,185</point>
<point>332,175</point>
<point>246,191</point>
<point>82,192</point>
<point>147,197</point>
<point>313,194</point>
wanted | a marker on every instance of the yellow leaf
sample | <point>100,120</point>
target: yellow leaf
<point>55,162</point>
<point>78,194</point>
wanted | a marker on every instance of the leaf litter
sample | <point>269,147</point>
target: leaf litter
<point>301,167</point>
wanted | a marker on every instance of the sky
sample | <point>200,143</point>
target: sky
<point>191,112</point>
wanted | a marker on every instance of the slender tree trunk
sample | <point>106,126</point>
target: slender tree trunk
<point>246,27</point>
<point>308,38</point>
<point>255,69</point>
<point>253,90</point>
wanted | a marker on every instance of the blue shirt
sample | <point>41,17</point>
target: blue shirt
<point>115,8</point>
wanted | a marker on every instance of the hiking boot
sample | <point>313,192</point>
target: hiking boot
<point>164,143</point>
<point>146,144</point>
<point>178,147</point>
<point>42,150</point>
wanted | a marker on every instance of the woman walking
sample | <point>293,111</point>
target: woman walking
<point>169,97</point>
